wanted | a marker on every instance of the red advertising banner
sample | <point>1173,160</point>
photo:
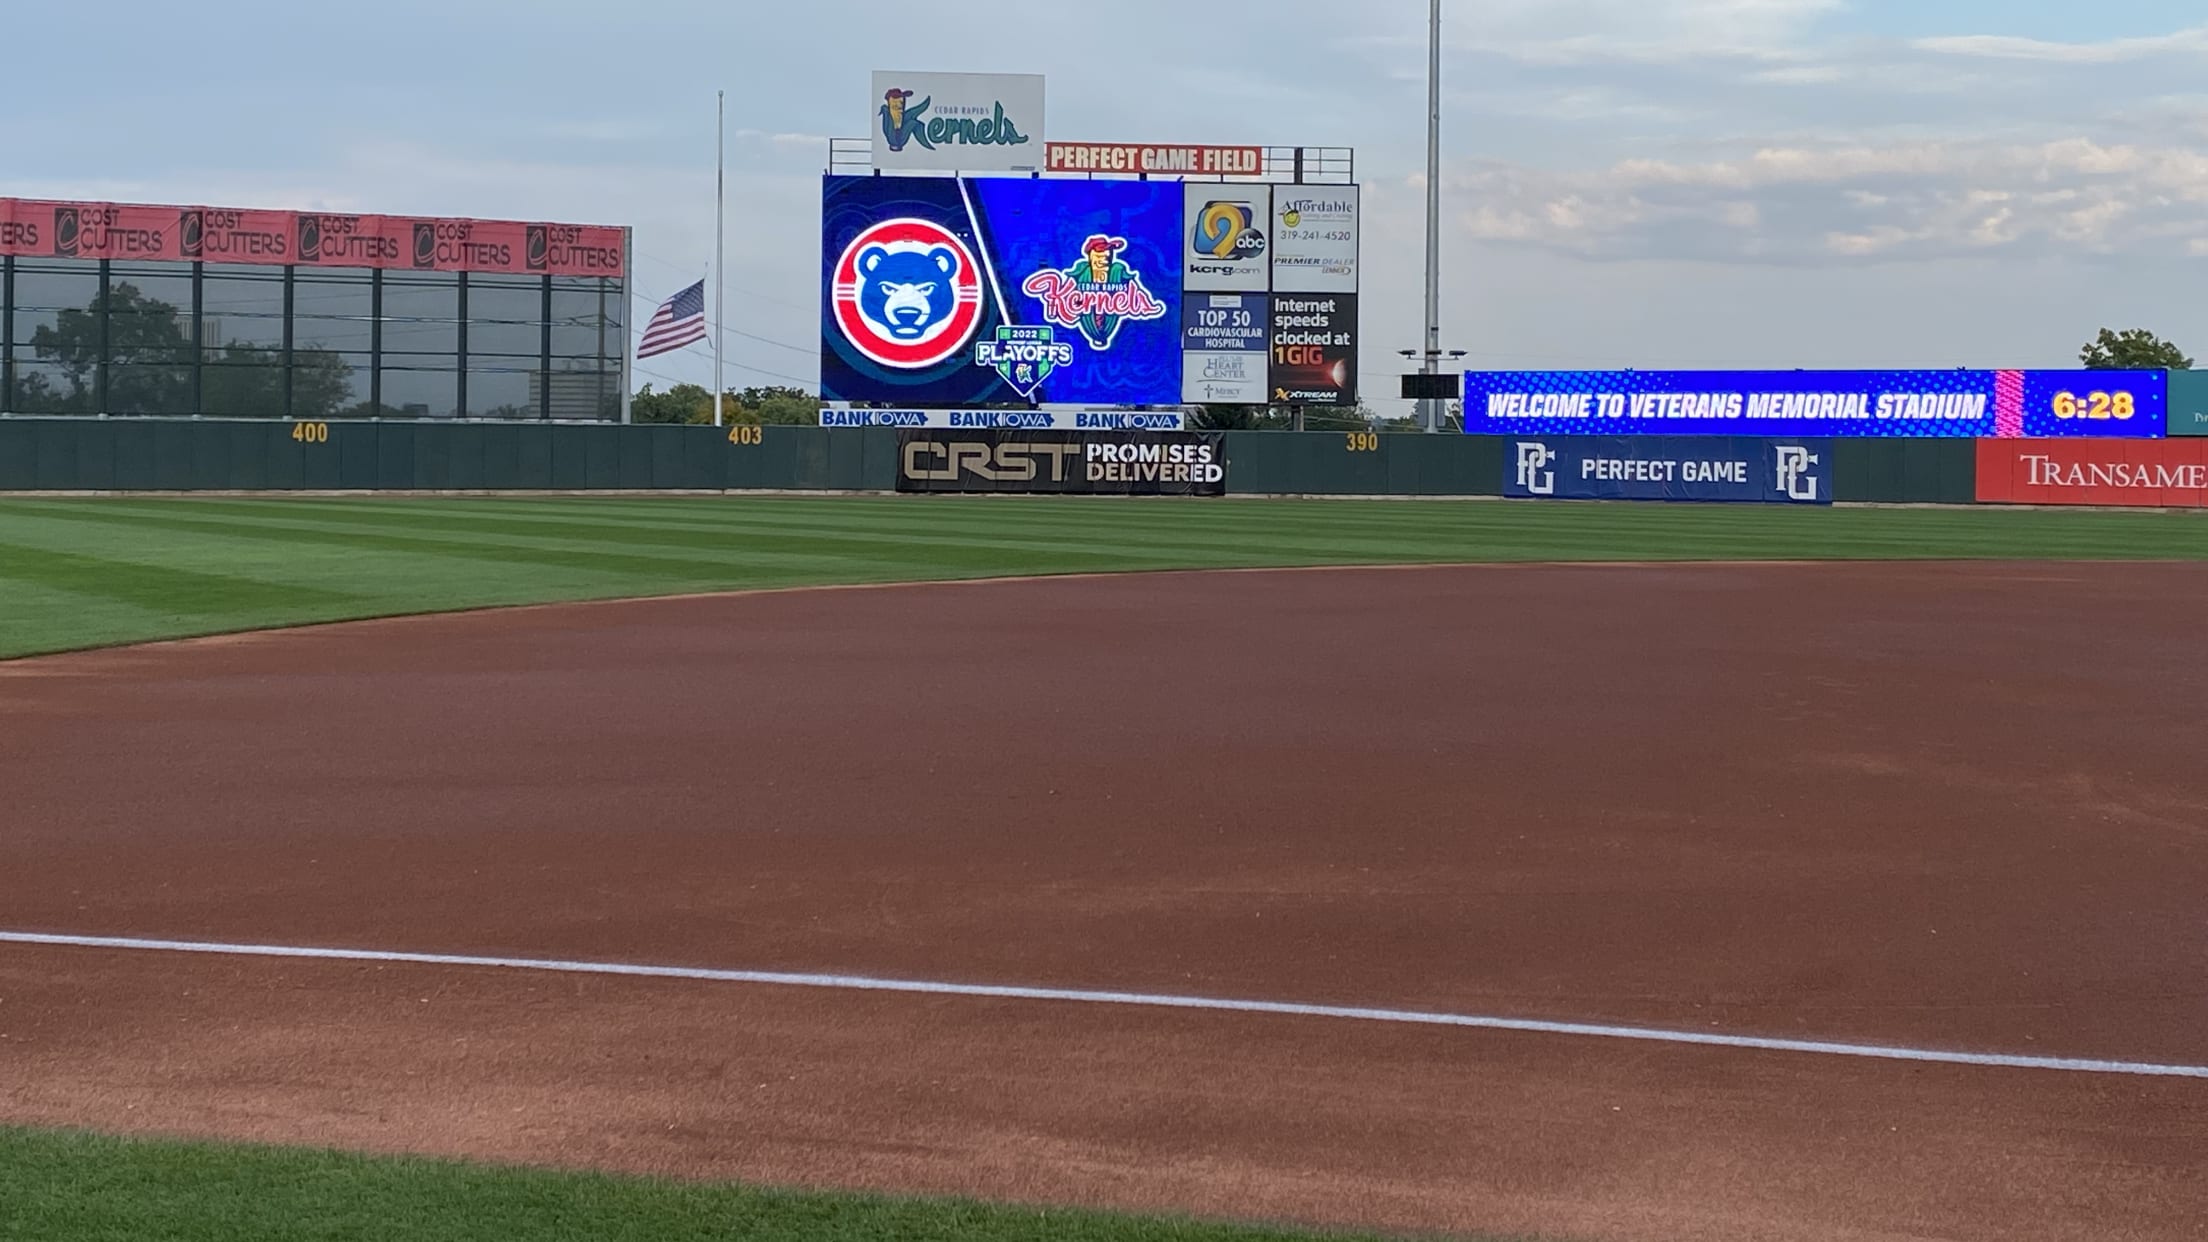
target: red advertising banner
<point>1169,159</point>
<point>2139,473</point>
<point>43,229</point>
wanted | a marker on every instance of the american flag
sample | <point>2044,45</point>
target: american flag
<point>679,321</point>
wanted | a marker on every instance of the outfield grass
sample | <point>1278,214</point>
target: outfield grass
<point>79,1188</point>
<point>89,572</point>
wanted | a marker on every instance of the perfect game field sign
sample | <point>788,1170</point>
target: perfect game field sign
<point>1704,468</point>
<point>1157,463</point>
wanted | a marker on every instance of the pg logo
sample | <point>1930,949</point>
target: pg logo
<point>1534,460</point>
<point>1794,478</point>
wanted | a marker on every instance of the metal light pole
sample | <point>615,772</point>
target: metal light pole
<point>1429,410</point>
<point>720,226</point>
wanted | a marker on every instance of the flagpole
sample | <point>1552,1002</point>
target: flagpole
<point>720,216</point>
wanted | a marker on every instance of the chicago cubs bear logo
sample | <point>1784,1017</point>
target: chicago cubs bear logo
<point>907,293</point>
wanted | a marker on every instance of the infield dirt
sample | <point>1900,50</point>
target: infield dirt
<point>1951,805</point>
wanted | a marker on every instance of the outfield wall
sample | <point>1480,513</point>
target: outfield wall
<point>90,454</point>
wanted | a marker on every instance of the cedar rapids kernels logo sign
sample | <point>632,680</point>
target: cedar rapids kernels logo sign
<point>907,294</point>
<point>1096,295</point>
<point>905,123</point>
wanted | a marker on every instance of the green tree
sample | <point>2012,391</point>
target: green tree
<point>693,404</point>
<point>147,346</point>
<point>149,355</point>
<point>774,407</point>
<point>684,403</point>
<point>1240,418</point>
<point>2133,349</point>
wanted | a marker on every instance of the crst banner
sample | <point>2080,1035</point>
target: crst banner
<point>943,291</point>
<point>1702,468</point>
<point>1166,463</point>
<point>1959,404</point>
<point>2143,473</point>
<point>1011,420</point>
<point>1314,349</point>
<point>33,228</point>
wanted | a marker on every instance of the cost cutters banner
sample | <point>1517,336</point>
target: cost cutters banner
<point>37,228</point>
<point>1065,463</point>
<point>1707,468</point>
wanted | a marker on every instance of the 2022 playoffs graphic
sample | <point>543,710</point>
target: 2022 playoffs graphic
<point>946,291</point>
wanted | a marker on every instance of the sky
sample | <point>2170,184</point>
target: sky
<point>1626,183</point>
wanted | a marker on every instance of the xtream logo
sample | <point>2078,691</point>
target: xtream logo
<point>1793,464</point>
<point>1534,458</point>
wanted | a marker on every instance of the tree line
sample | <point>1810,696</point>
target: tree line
<point>149,351</point>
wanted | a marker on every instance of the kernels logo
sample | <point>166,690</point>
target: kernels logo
<point>1227,231</point>
<point>66,232</point>
<point>1024,356</point>
<point>1096,295</point>
<point>907,293</point>
<point>905,122</point>
<point>1794,462</point>
<point>1534,458</point>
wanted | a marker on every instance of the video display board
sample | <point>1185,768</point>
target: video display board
<point>1972,404</point>
<point>948,292</point>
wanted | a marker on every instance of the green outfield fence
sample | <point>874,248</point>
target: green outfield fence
<point>103,455</point>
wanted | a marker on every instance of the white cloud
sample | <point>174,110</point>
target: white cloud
<point>2192,42</point>
<point>1812,204</point>
<point>1579,32</point>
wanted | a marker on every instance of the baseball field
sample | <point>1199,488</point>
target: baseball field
<point>894,868</point>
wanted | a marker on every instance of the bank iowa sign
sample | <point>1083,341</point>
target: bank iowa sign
<point>958,122</point>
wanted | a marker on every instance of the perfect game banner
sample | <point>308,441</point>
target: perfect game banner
<point>942,291</point>
<point>1748,469</point>
<point>1958,404</point>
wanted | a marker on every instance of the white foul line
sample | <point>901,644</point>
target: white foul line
<point>863,983</point>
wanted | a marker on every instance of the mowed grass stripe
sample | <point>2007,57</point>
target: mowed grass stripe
<point>157,588</point>
<point>804,542</point>
<point>80,1188</point>
<point>722,563</point>
<point>323,559</point>
<point>1492,529</point>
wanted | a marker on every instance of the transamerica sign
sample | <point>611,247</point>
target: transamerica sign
<point>2143,473</point>
<point>962,122</point>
